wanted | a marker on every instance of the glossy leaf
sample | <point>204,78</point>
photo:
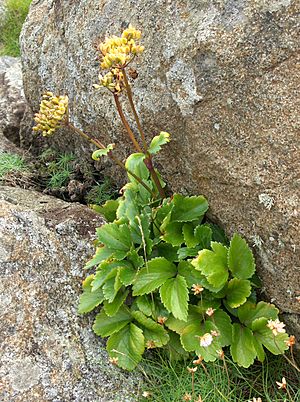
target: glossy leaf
<point>135,163</point>
<point>276,344</point>
<point>188,231</point>
<point>113,307</point>
<point>240,258</point>
<point>237,292</point>
<point>108,210</point>
<point>115,237</point>
<point>153,332</point>
<point>203,235</point>
<point>173,233</point>
<point>144,303</point>
<point>96,155</point>
<point>174,295</point>
<point>251,311</point>
<point>187,209</point>
<point>88,299</point>
<point>242,348</point>
<point>105,325</point>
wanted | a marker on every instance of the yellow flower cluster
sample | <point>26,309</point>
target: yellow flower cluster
<point>52,111</point>
<point>116,53</point>
<point>119,51</point>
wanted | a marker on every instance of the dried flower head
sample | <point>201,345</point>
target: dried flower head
<point>210,311</point>
<point>52,111</point>
<point>214,333</point>
<point>291,341</point>
<point>256,400</point>
<point>206,340</point>
<point>198,361</point>
<point>197,289</point>
<point>150,345</point>
<point>282,384</point>
<point>146,394</point>
<point>199,399</point>
<point>118,52</point>
<point>276,326</point>
<point>221,353</point>
<point>192,369</point>
<point>187,397</point>
<point>161,320</point>
<point>114,360</point>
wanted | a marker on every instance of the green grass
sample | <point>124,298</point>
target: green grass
<point>16,12</point>
<point>100,193</point>
<point>11,163</point>
<point>60,170</point>
<point>169,382</point>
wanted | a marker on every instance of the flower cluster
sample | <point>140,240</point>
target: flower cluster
<point>51,113</point>
<point>276,326</point>
<point>115,54</point>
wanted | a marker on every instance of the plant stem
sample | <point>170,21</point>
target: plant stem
<point>99,144</point>
<point>126,125</point>
<point>148,160</point>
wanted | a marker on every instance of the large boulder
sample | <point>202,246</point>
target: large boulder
<point>223,78</point>
<point>48,352</point>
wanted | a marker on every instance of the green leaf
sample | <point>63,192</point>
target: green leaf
<point>96,155</point>
<point>153,276</point>
<point>108,210</point>
<point>153,332</point>
<point>105,325</point>
<point>213,266</point>
<point>112,285</point>
<point>276,344</point>
<point>174,295</point>
<point>102,253</point>
<point>186,252</point>
<point>127,345</point>
<point>187,209</point>
<point>189,235</point>
<point>222,323</point>
<point>242,348</point>
<point>113,307</point>
<point>178,326</point>
<point>158,141</point>
<point>259,350</point>
<point>88,299</point>
<point>174,348</point>
<point>167,250</point>
<point>237,292</point>
<point>117,238</point>
<point>104,270</point>
<point>203,235</point>
<point>144,304</point>
<point>135,163</point>
<point>240,258</point>
<point>191,275</point>
<point>173,233</point>
<point>251,311</point>
<point>127,274</point>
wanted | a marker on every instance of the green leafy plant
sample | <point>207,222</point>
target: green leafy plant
<point>13,19</point>
<point>164,277</point>
<point>11,163</point>
<point>60,170</point>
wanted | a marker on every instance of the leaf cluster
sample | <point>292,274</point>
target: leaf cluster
<point>165,278</point>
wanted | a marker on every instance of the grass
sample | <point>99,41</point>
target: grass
<point>10,163</point>
<point>60,170</point>
<point>169,382</point>
<point>100,193</point>
<point>16,12</point>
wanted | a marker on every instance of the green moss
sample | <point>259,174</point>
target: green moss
<point>16,12</point>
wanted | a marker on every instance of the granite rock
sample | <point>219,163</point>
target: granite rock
<point>48,352</point>
<point>222,76</point>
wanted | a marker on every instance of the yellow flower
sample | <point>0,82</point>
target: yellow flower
<point>51,114</point>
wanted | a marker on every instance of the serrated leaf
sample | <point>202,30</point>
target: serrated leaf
<point>153,276</point>
<point>127,274</point>
<point>242,348</point>
<point>237,292</point>
<point>108,210</point>
<point>174,348</point>
<point>89,300</point>
<point>117,238</point>
<point>104,270</point>
<point>127,345</point>
<point>158,141</point>
<point>153,332</point>
<point>112,285</point>
<point>113,307</point>
<point>276,344</point>
<point>222,323</point>
<point>251,311</point>
<point>144,304</point>
<point>173,233</point>
<point>203,235</point>
<point>174,295</point>
<point>259,350</point>
<point>240,258</point>
<point>167,250</point>
<point>96,155</point>
<point>187,209</point>
<point>178,326</point>
<point>186,252</point>
<point>102,253</point>
<point>105,325</point>
<point>191,275</point>
<point>189,235</point>
<point>212,265</point>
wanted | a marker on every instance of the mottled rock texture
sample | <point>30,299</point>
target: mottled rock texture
<point>48,352</point>
<point>223,78</point>
<point>12,100</point>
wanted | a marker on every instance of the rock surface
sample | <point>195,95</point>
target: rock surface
<point>48,352</point>
<point>12,100</point>
<point>223,78</point>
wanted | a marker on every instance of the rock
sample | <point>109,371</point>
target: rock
<point>12,100</point>
<point>223,78</point>
<point>48,352</point>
